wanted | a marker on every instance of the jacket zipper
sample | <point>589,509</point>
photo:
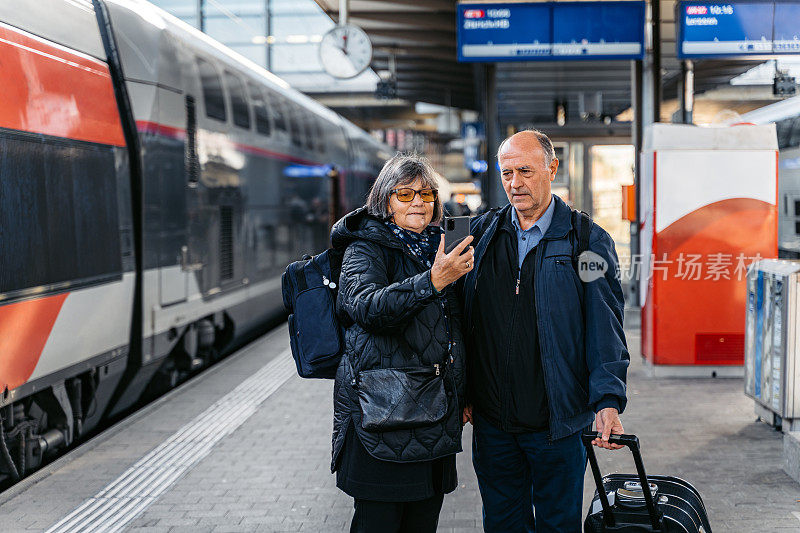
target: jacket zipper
<point>475,287</point>
<point>504,401</point>
<point>476,270</point>
<point>479,260</point>
<point>539,259</point>
<point>450,343</point>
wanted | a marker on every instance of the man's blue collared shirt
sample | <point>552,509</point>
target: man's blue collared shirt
<point>529,238</point>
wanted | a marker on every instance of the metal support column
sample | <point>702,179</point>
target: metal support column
<point>637,81</point>
<point>588,199</point>
<point>492,188</point>
<point>686,96</point>
<point>268,33</point>
<point>201,15</point>
<point>656,21</point>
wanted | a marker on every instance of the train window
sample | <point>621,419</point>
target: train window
<point>279,114</point>
<point>59,215</point>
<point>784,131</point>
<point>296,132</point>
<point>239,107</point>
<point>794,133</point>
<point>311,134</point>
<point>320,137</point>
<point>213,97</point>
<point>259,109</point>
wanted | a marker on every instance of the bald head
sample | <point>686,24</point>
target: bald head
<point>527,168</point>
<point>529,140</point>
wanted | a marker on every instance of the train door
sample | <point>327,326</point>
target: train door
<point>173,271</point>
<point>213,184</point>
<point>194,252</point>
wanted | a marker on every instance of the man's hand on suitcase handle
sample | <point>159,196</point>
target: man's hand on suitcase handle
<point>466,416</point>
<point>607,422</point>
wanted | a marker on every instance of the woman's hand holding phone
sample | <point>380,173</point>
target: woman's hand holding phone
<point>447,268</point>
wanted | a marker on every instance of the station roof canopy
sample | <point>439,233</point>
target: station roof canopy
<point>421,35</point>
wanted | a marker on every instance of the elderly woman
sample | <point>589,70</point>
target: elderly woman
<point>399,390</point>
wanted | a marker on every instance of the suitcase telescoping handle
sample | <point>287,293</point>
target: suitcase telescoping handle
<point>632,442</point>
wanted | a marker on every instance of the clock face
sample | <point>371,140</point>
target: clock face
<point>345,51</point>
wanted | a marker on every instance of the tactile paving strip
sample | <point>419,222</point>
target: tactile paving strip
<point>131,493</point>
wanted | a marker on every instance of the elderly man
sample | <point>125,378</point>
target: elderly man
<point>546,352</point>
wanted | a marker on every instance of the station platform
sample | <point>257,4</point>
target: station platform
<point>246,447</point>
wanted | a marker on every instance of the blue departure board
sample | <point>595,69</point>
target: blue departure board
<point>613,29</point>
<point>489,31</point>
<point>738,29</point>
<point>786,36</point>
<point>550,31</point>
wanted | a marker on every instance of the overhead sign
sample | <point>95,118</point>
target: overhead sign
<point>738,29</point>
<point>552,31</point>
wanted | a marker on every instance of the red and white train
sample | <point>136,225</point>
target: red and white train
<point>153,186</point>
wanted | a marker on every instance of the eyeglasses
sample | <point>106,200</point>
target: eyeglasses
<point>407,194</point>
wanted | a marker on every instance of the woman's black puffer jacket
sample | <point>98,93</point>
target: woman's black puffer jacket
<point>398,321</point>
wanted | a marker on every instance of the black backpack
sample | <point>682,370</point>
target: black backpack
<point>316,335</point>
<point>583,223</point>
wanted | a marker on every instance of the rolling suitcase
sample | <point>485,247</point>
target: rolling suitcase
<point>619,503</point>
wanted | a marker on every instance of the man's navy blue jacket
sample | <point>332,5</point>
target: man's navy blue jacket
<point>582,342</point>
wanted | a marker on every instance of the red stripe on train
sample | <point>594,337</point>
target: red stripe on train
<point>24,330</point>
<point>50,90</point>
<point>145,126</point>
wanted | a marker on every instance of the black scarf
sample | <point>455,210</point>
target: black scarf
<point>422,245</point>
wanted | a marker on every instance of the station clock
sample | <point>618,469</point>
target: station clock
<point>345,51</point>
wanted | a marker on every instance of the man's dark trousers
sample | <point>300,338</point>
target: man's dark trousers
<point>519,470</point>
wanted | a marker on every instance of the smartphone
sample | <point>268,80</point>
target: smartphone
<point>456,229</point>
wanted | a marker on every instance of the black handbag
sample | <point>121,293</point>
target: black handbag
<point>401,398</point>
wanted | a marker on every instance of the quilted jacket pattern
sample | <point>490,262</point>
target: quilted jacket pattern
<point>397,321</point>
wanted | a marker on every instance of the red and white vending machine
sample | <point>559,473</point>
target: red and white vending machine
<point>708,209</point>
